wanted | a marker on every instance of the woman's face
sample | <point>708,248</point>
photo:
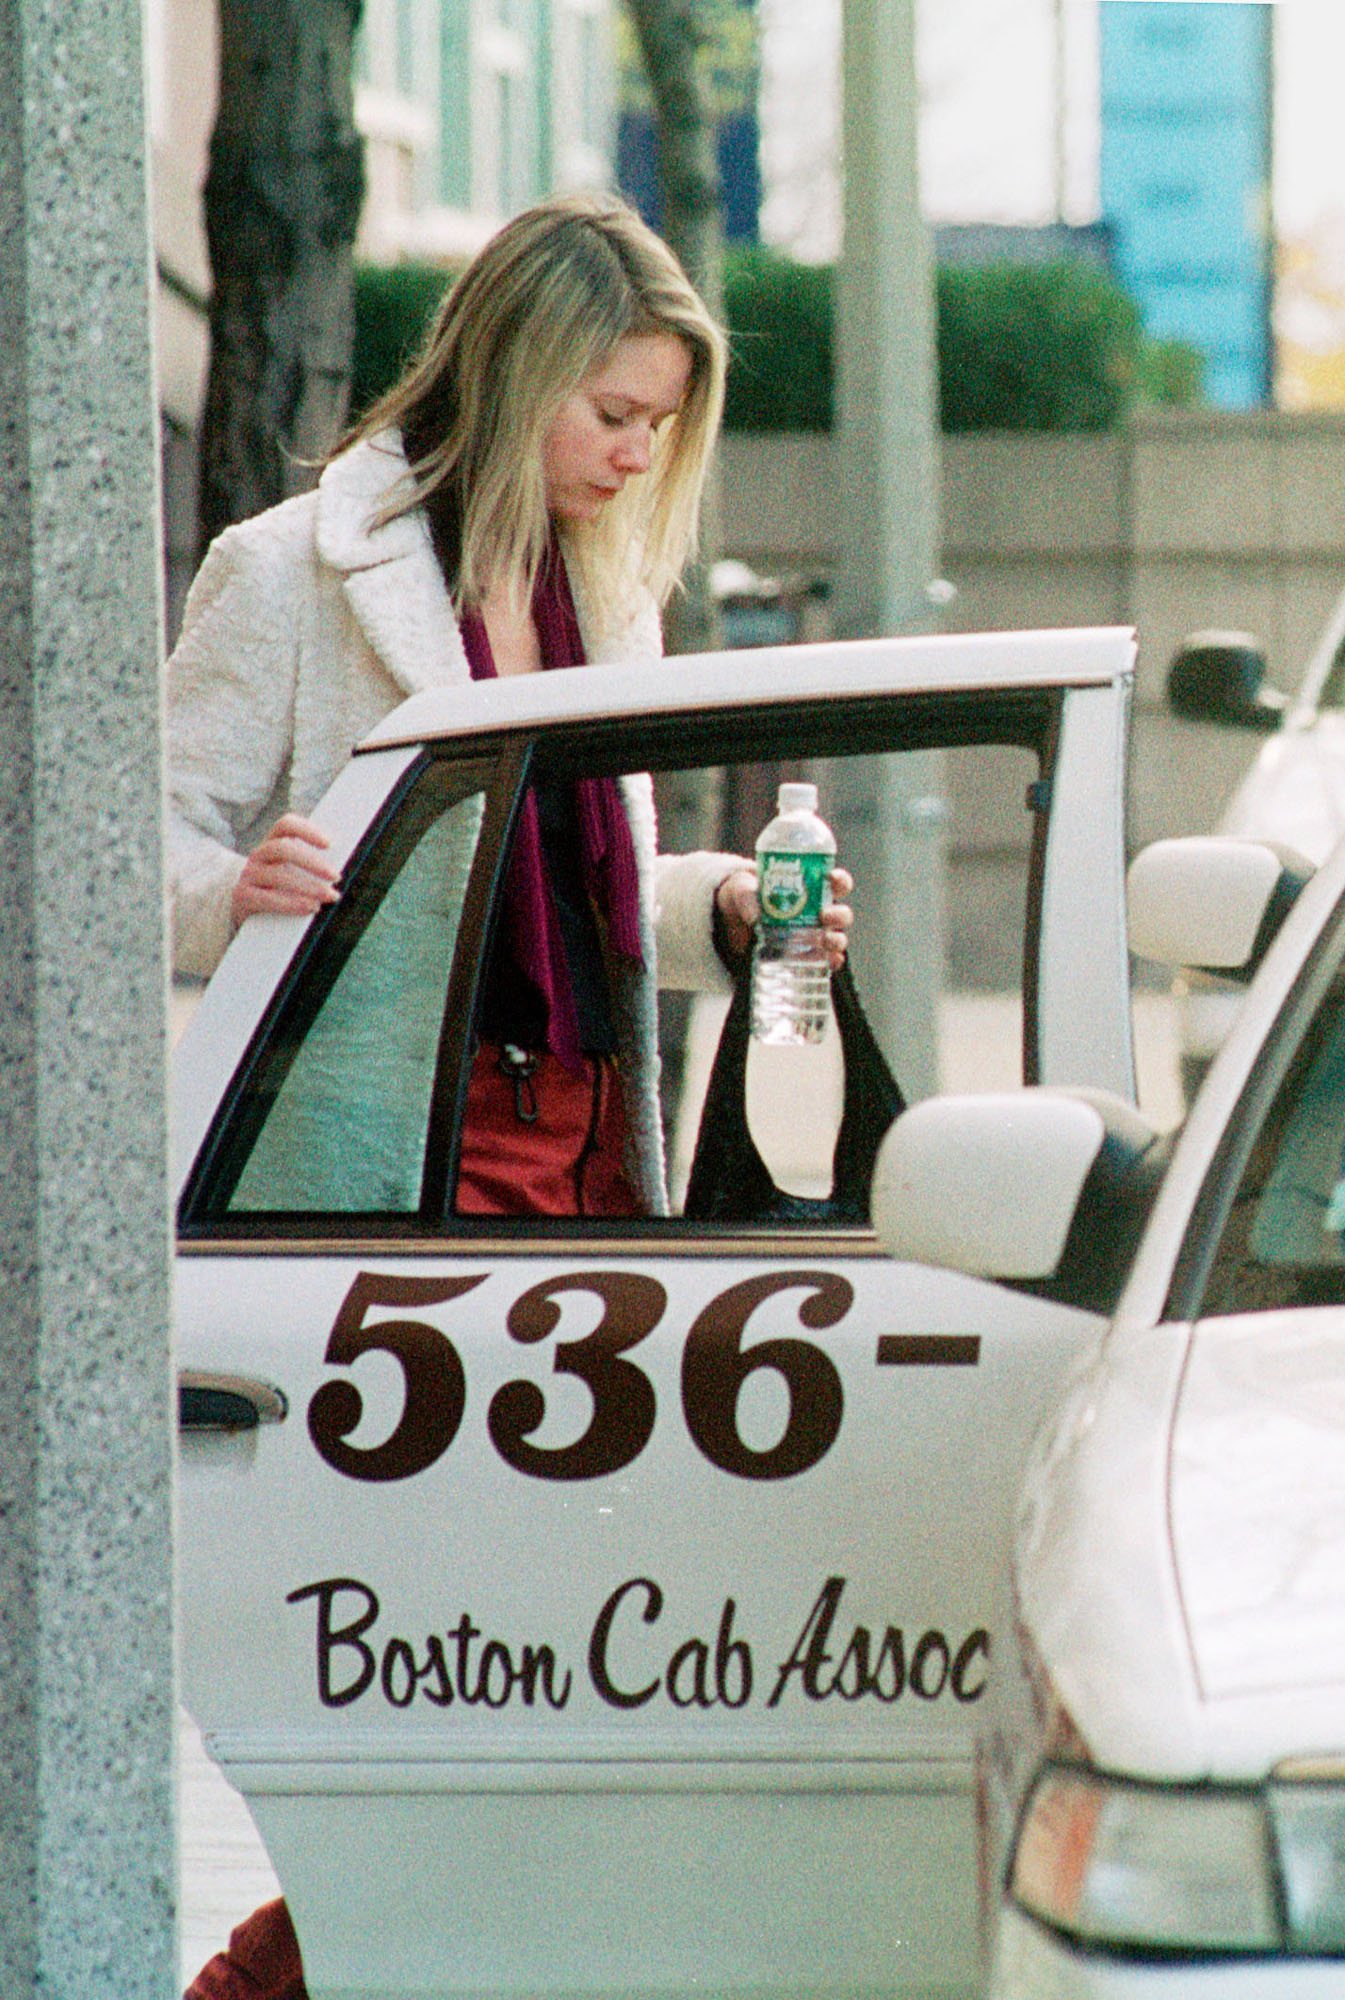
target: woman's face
<point>604,430</point>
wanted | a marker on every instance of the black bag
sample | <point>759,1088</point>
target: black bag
<point>730,1181</point>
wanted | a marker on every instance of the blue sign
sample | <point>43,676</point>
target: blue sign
<point>637,170</point>
<point>1186,167</point>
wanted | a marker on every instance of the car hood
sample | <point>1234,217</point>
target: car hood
<point>1257,1502</point>
<point>1295,791</point>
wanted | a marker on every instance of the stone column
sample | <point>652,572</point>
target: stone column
<point>87,1886</point>
<point>888,816</point>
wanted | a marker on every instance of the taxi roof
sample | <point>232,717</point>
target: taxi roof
<point>696,683</point>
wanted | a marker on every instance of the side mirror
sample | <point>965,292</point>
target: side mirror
<point>1046,1187</point>
<point>1211,903</point>
<point>1221,677</point>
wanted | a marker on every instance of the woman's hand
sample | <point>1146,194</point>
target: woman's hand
<point>736,900</point>
<point>287,874</point>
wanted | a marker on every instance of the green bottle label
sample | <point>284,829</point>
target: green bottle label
<point>792,887</point>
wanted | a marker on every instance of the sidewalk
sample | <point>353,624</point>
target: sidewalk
<point>224,1868</point>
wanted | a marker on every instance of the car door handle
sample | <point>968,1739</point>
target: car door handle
<point>207,1402</point>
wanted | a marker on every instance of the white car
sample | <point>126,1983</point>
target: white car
<point>609,1608</point>
<point>1163,1762</point>
<point>1293,794</point>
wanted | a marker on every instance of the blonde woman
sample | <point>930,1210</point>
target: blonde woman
<point>523,499</point>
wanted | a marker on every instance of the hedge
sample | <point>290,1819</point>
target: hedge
<point>393,308</point>
<point>1021,347</point>
<point>1035,347</point>
<point>780,323</point>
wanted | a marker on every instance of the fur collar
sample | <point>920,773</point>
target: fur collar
<point>350,492</point>
<point>393,583</point>
<point>390,574</point>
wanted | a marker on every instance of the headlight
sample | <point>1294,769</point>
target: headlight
<point>1146,1869</point>
<point>1309,1824</point>
<point>1135,1867</point>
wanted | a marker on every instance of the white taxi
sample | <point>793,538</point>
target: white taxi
<point>1163,1764</point>
<point>609,1608</point>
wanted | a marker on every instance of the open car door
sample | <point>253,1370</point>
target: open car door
<point>604,1607</point>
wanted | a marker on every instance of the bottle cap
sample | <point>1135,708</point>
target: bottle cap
<point>797,798</point>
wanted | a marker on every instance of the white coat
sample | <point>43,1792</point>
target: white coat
<point>304,627</point>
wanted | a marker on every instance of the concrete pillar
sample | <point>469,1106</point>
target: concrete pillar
<point>888,820</point>
<point>87,1886</point>
<point>885,336</point>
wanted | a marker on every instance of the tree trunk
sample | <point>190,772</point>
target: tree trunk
<point>282,202</point>
<point>690,804</point>
<point>669,33</point>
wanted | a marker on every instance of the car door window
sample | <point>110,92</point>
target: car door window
<point>347,1104</point>
<point>346,1127</point>
<point>333,1113</point>
<point>943,988</point>
<point>1333,689</point>
<point>1283,1243</point>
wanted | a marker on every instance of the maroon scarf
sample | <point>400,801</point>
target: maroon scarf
<point>532,933</point>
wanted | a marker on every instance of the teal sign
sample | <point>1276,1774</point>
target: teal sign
<point>1186,171</point>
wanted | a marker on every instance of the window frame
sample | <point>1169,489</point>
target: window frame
<point>312,974</point>
<point>1193,1270</point>
<point>1023,717</point>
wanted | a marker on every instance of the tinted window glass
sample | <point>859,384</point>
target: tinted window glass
<point>344,1128</point>
<point>1283,1242</point>
<point>1333,691</point>
<point>346,1104</point>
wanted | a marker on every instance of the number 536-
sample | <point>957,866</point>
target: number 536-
<point>715,1365</point>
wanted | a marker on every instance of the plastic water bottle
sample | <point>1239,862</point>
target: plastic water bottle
<point>791,977</point>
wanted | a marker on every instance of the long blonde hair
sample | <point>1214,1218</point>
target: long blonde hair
<point>537,312</point>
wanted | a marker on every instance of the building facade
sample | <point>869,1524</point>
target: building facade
<point>473,108</point>
<point>469,109</point>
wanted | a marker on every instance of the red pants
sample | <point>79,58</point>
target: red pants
<point>262,1962</point>
<point>540,1140</point>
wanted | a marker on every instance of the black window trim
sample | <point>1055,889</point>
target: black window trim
<point>1027,718</point>
<point>1209,1217</point>
<point>327,945</point>
<point>480,916</point>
